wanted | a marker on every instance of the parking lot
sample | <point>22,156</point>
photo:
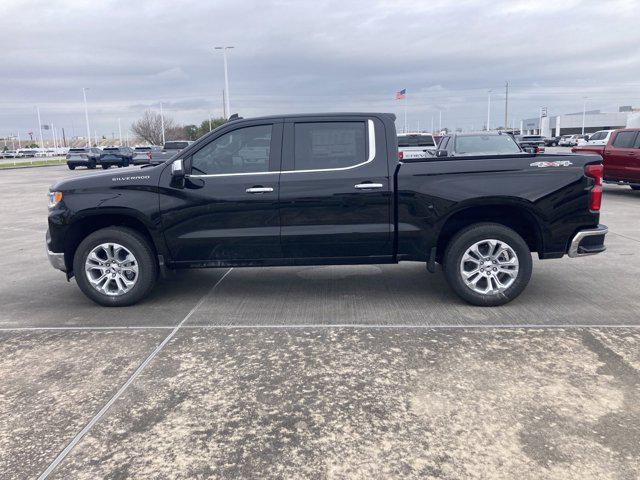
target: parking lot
<point>306,372</point>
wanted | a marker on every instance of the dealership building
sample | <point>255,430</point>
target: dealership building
<point>571,123</point>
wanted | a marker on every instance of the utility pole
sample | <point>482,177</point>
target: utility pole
<point>19,146</point>
<point>584,112</point>
<point>226,78</point>
<point>64,138</point>
<point>162,123</point>
<point>210,121</point>
<point>489,112</point>
<point>440,113</point>
<point>120,131</point>
<point>86,116</point>
<point>506,103</point>
<point>40,127</point>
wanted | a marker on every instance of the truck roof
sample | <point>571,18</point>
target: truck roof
<point>325,114</point>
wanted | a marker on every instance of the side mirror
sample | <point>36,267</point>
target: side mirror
<point>441,153</point>
<point>177,174</point>
<point>177,169</point>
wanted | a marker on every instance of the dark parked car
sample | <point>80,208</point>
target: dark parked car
<point>83,157</point>
<point>534,143</point>
<point>116,156</point>
<point>323,189</point>
<point>485,143</point>
<point>552,141</point>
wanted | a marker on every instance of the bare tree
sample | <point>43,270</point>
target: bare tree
<point>149,128</point>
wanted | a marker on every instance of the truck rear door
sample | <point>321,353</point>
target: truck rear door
<point>621,156</point>
<point>335,189</point>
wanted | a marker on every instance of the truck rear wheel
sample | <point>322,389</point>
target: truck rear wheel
<point>115,267</point>
<point>487,264</point>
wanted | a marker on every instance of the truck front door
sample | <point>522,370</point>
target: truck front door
<point>335,190</point>
<point>227,210</point>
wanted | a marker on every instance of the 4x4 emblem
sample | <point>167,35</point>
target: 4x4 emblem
<point>561,163</point>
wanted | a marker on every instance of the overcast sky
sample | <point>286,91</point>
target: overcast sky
<point>321,55</point>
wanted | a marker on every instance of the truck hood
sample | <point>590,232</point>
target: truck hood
<point>121,177</point>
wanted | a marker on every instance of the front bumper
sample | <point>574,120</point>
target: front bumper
<point>56,260</point>
<point>588,242</point>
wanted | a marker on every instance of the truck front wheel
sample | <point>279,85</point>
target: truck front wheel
<point>115,267</point>
<point>487,264</point>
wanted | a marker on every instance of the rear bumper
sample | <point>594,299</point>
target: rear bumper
<point>588,242</point>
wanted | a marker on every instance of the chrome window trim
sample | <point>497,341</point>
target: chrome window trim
<point>371,157</point>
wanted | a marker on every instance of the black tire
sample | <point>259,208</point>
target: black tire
<point>92,166</point>
<point>635,187</point>
<point>466,238</point>
<point>105,167</point>
<point>72,167</point>
<point>138,245</point>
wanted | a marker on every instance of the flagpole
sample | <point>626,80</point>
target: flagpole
<point>405,112</point>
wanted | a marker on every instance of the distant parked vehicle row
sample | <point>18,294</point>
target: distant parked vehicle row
<point>91,157</point>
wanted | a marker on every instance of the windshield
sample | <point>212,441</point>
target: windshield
<point>485,144</point>
<point>416,141</point>
<point>175,145</point>
<point>142,149</point>
<point>77,150</point>
<point>111,149</point>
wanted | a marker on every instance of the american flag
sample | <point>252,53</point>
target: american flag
<point>401,94</point>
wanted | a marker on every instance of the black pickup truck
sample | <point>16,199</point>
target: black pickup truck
<point>324,189</point>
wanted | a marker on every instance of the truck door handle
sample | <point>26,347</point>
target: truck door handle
<point>366,186</point>
<point>259,190</point>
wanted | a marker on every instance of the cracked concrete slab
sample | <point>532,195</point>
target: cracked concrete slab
<point>52,384</point>
<point>349,403</point>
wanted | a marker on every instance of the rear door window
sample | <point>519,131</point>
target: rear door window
<point>329,145</point>
<point>625,139</point>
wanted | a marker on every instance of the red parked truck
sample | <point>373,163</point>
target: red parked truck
<point>620,156</point>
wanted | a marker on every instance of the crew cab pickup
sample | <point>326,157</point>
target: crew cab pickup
<point>169,149</point>
<point>621,156</point>
<point>415,145</point>
<point>324,189</point>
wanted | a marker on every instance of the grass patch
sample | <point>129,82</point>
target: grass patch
<point>34,163</point>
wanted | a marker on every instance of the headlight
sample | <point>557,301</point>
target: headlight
<point>54,198</point>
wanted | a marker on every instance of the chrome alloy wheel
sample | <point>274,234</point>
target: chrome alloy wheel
<point>489,266</point>
<point>111,269</point>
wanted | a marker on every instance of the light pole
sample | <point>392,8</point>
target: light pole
<point>489,112</point>
<point>86,115</point>
<point>120,132</point>
<point>226,78</point>
<point>584,112</point>
<point>40,127</point>
<point>162,123</point>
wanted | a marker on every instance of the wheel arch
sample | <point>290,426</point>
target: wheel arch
<point>92,221</point>
<point>517,217</point>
